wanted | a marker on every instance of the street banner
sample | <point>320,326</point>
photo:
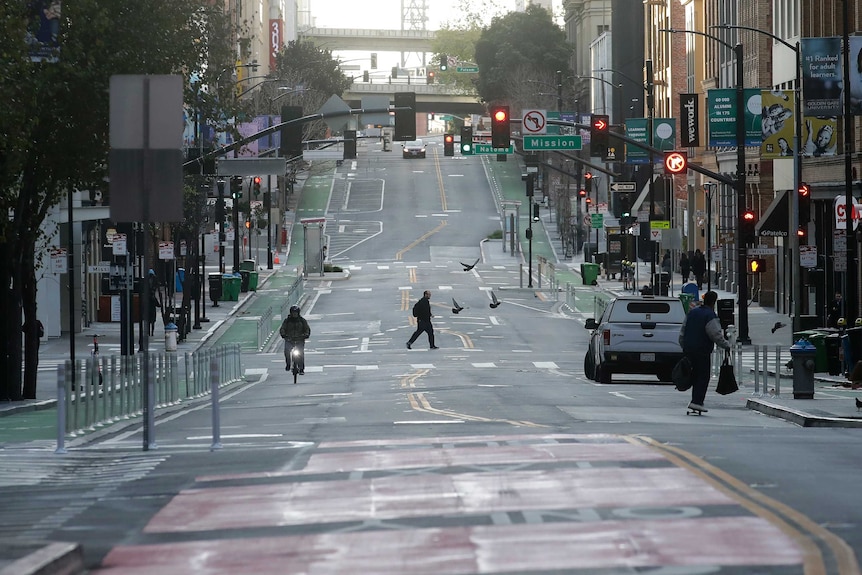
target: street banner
<point>777,124</point>
<point>819,136</point>
<point>663,138</point>
<point>689,111</point>
<point>276,41</point>
<point>821,76</point>
<point>855,43</point>
<point>721,104</point>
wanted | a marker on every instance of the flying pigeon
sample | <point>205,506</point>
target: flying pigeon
<point>455,307</point>
<point>468,267</point>
<point>778,325</point>
<point>858,404</point>
<point>494,301</point>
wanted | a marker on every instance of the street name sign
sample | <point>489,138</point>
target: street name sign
<point>467,69</point>
<point>552,143</point>
<point>489,149</point>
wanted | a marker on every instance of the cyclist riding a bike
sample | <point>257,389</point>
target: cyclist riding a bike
<point>294,330</point>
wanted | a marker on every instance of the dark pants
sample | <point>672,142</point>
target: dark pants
<point>700,373</point>
<point>423,325</point>
<point>288,350</point>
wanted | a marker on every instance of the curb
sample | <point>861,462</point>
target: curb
<point>43,558</point>
<point>800,418</point>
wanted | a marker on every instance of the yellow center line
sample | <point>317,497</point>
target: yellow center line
<point>418,402</point>
<point>794,524</point>
<point>400,254</point>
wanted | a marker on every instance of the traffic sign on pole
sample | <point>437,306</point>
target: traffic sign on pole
<point>623,186</point>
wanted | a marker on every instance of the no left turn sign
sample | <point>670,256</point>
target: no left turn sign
<point>534,122</point>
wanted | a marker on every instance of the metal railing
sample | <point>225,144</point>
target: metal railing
<point>110,388</point>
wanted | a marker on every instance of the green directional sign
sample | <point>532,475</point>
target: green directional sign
<point>597,221</point>
<point>489,149</point>
<point>533,143</point>
<point>467,69</point>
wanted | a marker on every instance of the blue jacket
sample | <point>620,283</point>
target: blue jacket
<point>701,331</point>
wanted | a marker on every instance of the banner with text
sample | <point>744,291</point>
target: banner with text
<point>689,111</point>
<point>821,76</point>
<point>721,104</point>
<point>663,138</point>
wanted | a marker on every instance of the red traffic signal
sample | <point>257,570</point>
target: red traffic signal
<point>449,139</point>
<point>589,201</point>
<point>675,162</point>
<point>582,193</point>
<point>804,190</point>
<point>501,135</point>
<point>749,217</point>
<point>601,123</point>
<point>256,185</point>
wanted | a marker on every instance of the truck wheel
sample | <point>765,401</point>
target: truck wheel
<point>589,366</point>
<point>603,374</point>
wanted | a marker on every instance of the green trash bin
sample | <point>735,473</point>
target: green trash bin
<point>230,287</point>
<point>589,273</point>
<point>248,266</point>
<point>686,299</point>
<point>818,340</point>
<point>252,281</point>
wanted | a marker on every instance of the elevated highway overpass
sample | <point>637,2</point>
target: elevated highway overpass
<point>439,99</point>
<point>371,40</point>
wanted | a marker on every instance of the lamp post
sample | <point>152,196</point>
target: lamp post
<point>793,238</point>
<point>742,284</point>
<point>709,189</point>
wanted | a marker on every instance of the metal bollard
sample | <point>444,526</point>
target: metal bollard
<point>62,369</point>
<point>214,387</point>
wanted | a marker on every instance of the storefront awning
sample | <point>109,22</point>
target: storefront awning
<point>776,220</point>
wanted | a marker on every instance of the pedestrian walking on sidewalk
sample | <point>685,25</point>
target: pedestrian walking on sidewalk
<point>698,336</point>
<point>423,315</point>
<point>698,267</point>
<point>684,266</point>
<point>836,311</point>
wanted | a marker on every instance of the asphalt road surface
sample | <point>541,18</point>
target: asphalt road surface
<point>492,454</point>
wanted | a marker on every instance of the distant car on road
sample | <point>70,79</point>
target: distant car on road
<point>414,149</point>
<point>635,335</point>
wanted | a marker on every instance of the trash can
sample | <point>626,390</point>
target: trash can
<point>687,300</point>
<point>179,280</point>
<point>245,276</point>
<point>818,340</point>
<point>230,287</point>
<point>590,274</point>
<point>803,354</point>
<point>171,337</point>
<point>252,280</point>
<point>248,265</point>
<point>661,283</point>
<point>832,347</point>
<point>691,288</point>
<point>215,288</point>
<point>854,345</point>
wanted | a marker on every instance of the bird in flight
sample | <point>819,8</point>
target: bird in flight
<point>494,301</point>
<point>455,307</point>
<point>468,267</point>
<point>778,325</point>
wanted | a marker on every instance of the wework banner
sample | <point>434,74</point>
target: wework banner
<point>689,111</point>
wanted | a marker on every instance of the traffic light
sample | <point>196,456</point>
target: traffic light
<point>236,187</point>
<point>536,212</point>
<point>804,203</point>
<point>291,135</point>
<point>747,221</point>
<point>373,61</point>
<point>444,62</point>
<point>429,77</point>
<point>501,135</point>
<point>588,182</point>
<point>589,202</point>
<point>448,144</point>
<point>582,193</point>
<point>466,140</point>
<point>365,75</point>
<point>599,129</point>
<point>349,139</point>
<point>255,182</point>
<point>757,265</point>
<point>405,120</point>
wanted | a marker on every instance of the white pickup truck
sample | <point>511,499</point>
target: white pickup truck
<point>635,335</point>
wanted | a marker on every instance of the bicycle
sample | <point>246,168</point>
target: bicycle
<point>297,361</point>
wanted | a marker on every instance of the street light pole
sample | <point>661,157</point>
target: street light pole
<point>742,283</point>
<point>709,189</point>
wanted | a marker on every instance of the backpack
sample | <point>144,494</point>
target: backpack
<point>415,309</point>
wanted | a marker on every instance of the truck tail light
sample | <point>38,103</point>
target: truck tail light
<point>606,336</point>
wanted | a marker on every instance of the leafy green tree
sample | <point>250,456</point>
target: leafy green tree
<point>54,134</point>
<point>516,49</point>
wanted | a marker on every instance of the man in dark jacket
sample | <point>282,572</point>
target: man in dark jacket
<point>700,333</point>
<point>423,315</point>
<point>294,330</point>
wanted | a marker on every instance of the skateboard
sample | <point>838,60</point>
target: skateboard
<point>693,411</point>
